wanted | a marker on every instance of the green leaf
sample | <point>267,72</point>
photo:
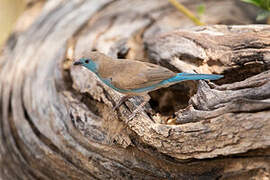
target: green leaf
<point>262,15</point>
<point>200,9</point>
<point>254,2</point>
<point>263,4</point>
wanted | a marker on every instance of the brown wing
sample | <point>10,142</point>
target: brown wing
<point>131,74</point>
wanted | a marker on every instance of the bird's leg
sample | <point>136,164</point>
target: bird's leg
<point>146,98</point>
<point>122,100</point>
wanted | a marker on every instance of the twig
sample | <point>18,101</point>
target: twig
<point>186,12</point>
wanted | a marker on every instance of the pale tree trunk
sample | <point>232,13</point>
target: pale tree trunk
<point>57,121</point>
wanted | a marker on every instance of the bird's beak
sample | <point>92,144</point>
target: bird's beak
<point>77,63</point>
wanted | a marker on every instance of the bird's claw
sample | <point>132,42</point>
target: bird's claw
<point>122,100</point>
<point>116,106</point>
<point>131,116</point>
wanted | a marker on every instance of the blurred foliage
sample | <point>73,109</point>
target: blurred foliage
<point>9,12</point>
<point>200,9</point>
<point>264,5</point>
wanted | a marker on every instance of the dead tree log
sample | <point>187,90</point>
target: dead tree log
<point>57,121</point>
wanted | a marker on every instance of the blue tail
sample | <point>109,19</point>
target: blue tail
<point>191,76</point>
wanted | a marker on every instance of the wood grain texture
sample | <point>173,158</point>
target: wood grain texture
<point>57,121</point>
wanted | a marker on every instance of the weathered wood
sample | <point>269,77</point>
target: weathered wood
<point>57,121</point>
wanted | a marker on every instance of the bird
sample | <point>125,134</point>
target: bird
<point>133,77</point>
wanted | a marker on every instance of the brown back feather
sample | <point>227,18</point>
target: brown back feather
<point>130,74</point>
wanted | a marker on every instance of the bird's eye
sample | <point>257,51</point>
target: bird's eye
<point>86,61</point>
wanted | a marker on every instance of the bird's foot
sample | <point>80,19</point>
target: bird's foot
<point>131,116</point>
<point>122,100</point>
<point>139,109</point>
<point>135,112</point>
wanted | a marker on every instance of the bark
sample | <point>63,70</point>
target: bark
<point>57,121</point>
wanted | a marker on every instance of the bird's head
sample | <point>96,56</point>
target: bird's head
<point>90,60</point>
